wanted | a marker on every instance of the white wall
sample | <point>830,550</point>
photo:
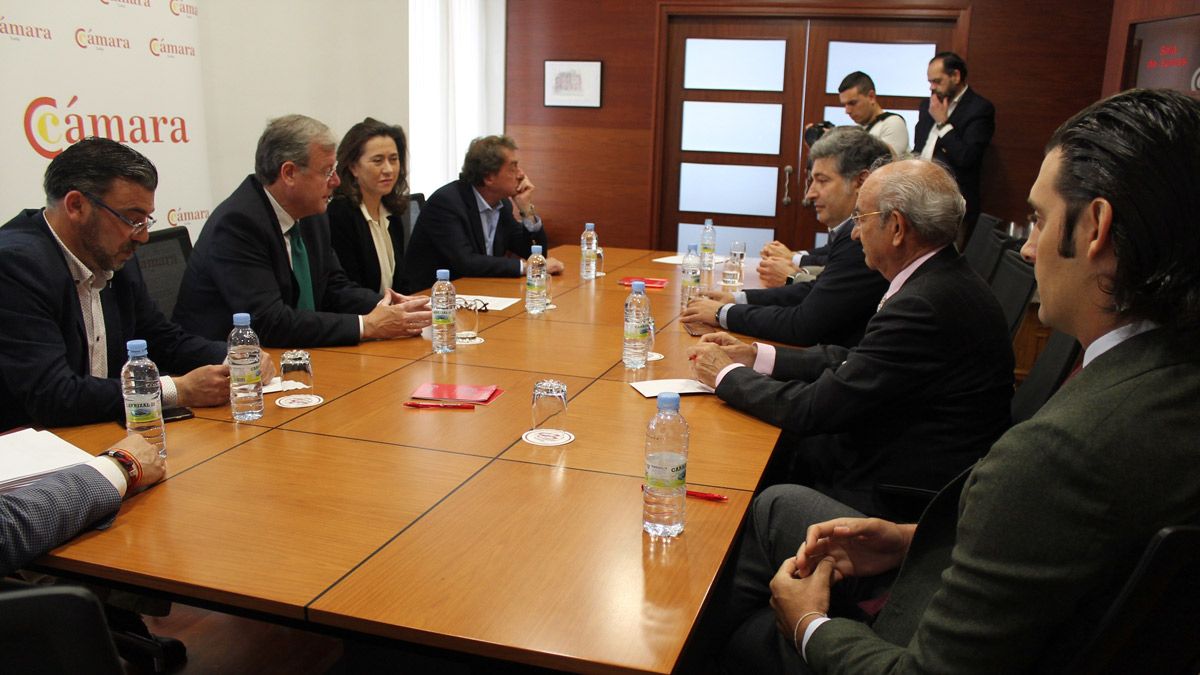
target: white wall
<point>335,61</point>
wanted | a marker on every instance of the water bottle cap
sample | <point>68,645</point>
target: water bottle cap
<point>443,275</point>
<point>136,347</point>
<point>241,319</point>
<point>589,226</point>
<point>639,287</point>
<point>693,248</point>
<point>668,400</point>
<point>708,222</point>
<point>535,250</point>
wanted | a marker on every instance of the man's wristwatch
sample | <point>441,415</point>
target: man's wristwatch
<point>130,464</point>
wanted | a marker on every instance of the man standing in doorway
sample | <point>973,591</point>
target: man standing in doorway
<point>955,126</point>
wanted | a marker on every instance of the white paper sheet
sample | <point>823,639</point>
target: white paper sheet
<point>29,454</point>
<point>678,259</point>
<point>652,388</point>
<point>493,302</point>
<point>279,384</point>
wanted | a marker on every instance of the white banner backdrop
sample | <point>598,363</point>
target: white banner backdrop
<point>128,70</point>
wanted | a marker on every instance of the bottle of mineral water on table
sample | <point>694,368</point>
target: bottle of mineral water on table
<point>690,276</point>
<point>637,327</point>
<point>245,371</point>
<point>708,245</point>
<point>143,397</point>
<point>665,491</point>
<point>536,297</point>
<point>588,243</point>
<point>442,301</point>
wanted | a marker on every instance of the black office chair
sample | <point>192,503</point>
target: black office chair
<point>985,246</point>
<point>1151,626</point>
<point>1048,373</point>
<point>163,260</point>
<point>55,629</point>
<point>1013,285</point>
<point>416,202</point>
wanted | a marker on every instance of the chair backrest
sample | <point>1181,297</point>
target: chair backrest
<point>1047,374</point>
<point>1013,285</point>
<point>163,260</point>
<point>1151,625</point>
<point>983,249</point>
<point>55,629</point>
<point>416,202</point>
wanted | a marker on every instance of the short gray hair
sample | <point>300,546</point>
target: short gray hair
<point>928,197</point>
<point>853,149</point>
<point>287,139</point>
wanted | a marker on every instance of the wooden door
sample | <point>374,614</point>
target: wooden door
<point>803,97</point>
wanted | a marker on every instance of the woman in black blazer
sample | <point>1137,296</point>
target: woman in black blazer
<point>364,215</point>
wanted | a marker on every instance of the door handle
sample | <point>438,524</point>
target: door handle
<point>787,184</point>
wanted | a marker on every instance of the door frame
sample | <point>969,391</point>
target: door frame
<point>667,11</point>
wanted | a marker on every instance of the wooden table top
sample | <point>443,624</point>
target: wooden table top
<point>443,527</point>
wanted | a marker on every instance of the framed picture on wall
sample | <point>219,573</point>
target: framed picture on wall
<point>573,84</point>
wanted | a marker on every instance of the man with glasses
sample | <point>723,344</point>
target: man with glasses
<point>833,308</point>
<point>266,250</point>
<point>71,295</point>
<point>926,391</point>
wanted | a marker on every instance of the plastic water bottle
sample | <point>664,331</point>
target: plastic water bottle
<point>690,273</point>
<point>245,371</point>
<point>637,327</point>
<point>731,275</point>
<point>588,243</point>
<point>535,282</point>
<point>143,397</point>
<point>665,491</point>
<point>708,245</point>
<point>443,303</point>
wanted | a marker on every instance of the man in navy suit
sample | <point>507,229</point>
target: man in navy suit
<point>955,126</point>
<point>266,250</point>
<point>927,389</point>
<point>468,227</point>
<point>71,295</point>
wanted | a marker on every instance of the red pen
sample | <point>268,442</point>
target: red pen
<point>710,496</point>
<point>444,406</point>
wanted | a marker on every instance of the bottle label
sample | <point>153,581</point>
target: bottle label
<point>635,330</point>
<point>143,409</point>
<point>708,246</point>
<point>443,317</point>
<point>691,278</point>
<point>666,476</point>
<point>239,375</point>
<point>535,285</point>
<point>589,254</point>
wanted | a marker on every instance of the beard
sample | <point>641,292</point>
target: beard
<point>106,261</point>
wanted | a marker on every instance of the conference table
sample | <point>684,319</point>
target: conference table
<point>443,527</point>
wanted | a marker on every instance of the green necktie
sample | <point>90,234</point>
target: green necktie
<point>301,271</point>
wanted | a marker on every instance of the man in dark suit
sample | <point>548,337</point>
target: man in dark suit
<point>1014,562</point>
<point>933,373</point>
<point>468,227</point>
<point>834,308</point>
<point>38,517</point>
<point>72,295</point>
<point>266,250</point>
<point>955,126</point>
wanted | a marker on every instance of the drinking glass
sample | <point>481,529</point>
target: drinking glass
<point>599,261</point>
<point>549,404</point>
<point>466,320</point>
<point>296,366</point>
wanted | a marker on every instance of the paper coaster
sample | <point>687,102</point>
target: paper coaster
<point>299,401</point>
<point>551,306</point>
<point>547,437</point>
<point>654,356</point>
<point>600,274</point>
<point>469,340</point>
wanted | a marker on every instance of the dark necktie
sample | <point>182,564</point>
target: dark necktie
<point>301,271</point>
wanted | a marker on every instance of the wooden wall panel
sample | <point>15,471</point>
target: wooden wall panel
<point>1038,68</point>
<point>1126,13</point>
<point>582,175</point>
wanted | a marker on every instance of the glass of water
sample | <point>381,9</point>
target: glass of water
<point>296,366</point>
<point>599,261</point>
